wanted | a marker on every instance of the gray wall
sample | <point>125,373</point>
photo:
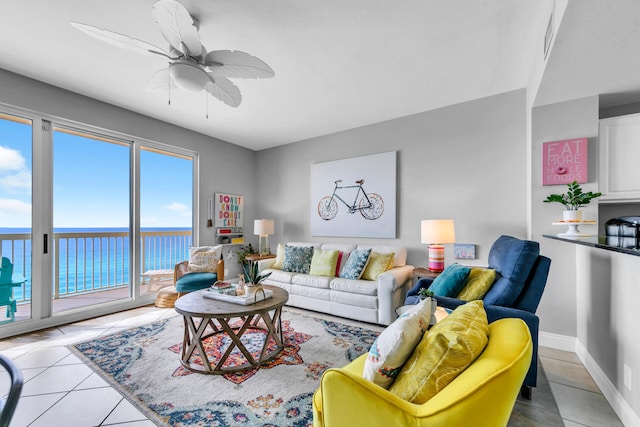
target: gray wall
<point>224,167</point>
<point>571,119</point>
<point>465,162</point>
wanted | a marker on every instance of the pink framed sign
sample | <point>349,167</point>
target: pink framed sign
<point>565,161</point>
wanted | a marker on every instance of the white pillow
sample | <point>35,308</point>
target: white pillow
<point>204,259</point>
<point>395,344</point>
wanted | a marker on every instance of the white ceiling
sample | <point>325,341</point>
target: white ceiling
<point>339,64</point>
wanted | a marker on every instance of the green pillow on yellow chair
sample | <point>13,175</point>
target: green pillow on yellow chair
<point>444,352</point>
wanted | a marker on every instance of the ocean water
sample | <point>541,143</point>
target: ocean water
<point>94,258</point>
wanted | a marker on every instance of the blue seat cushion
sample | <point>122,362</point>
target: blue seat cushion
<point>195,281</point>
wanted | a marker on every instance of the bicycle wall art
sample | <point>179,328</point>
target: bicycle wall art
<point>354,197</point>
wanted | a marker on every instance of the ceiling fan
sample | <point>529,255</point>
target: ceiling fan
<point>191,67</point>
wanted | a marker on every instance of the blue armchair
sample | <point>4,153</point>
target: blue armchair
<point>521,275</point>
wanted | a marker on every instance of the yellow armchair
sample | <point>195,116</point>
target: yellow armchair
<point>483,395</point>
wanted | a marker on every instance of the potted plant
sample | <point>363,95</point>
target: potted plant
<point>253,278</point>
<point>573,200</point>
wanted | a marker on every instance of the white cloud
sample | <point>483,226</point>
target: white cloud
<point>180,208</point>
<point>14,213</point>
<point>11,159</point>
<point>17,183</point>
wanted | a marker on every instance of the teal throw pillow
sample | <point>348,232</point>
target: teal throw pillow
<point>451,281</point>
<point>356,264</point>
<point>297,259</point>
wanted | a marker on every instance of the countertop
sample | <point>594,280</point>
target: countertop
<point>625,245</point>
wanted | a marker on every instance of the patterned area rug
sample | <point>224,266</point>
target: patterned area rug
<point>143,364</point>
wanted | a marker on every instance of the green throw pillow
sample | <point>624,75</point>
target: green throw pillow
<point>323,262</point>
<point>450,281</point>
<point>478,284</point>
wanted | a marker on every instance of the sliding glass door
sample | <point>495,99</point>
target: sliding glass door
<point>16,142</point>
<point>91,219</point>
<point>166,200</point>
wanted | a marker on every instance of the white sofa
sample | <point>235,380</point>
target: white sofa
<point>365,300</point>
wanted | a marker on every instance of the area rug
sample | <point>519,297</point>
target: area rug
<point>143,364</point>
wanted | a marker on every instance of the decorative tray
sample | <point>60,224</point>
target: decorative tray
<point>237,299</point>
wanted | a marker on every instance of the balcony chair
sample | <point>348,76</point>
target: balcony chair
<point>8,281</point>
<point>186,282</point>
<point>521,275</point>
<point>8,406</point>
<point>483,395</point>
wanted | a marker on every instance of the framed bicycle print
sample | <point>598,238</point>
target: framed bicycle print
<point>354,197</point>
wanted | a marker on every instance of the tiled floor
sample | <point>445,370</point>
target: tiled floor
<point>61,391</point>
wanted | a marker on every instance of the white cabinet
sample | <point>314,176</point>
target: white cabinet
<point>619,160</point>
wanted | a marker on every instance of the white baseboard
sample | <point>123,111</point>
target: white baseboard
<point>619,405</point>
<point>559,342</point>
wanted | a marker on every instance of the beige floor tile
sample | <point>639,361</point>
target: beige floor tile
<point>96,406</point>
<point>31,407</point>
<point>584,407</point>
<point>41,357</point>
<point>125,412</point>
<point>56,379</point>
<point>92,381</point>
<point>568,373</point>
<point>552,353</point>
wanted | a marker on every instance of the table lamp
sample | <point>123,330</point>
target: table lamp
<point>263,228</point>
<point>435,233</point>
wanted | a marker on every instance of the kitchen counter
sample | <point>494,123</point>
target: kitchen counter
<point>625,245</point>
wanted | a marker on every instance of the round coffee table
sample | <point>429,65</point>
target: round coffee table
<point>205,317</point>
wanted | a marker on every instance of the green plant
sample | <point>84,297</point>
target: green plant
<point>242,255</point>
<point>425,292</point>
<point>574,199</point>
<point>252,273</point>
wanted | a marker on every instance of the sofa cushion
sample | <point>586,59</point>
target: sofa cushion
<point>478,283</point>
<point>356,264</point>
<point>451,281</point>
<point>204,259</point>
<point>378,264</point>
<point>513,260</point>
<point>364,287</point>
<point>394,345</point>
<point>195,281</point>
<point>297,259</point>
<point>323,262</point>
<point>279,275</point>
<point>310,292</point>
<point>311,280</point>
<point>355,300</point>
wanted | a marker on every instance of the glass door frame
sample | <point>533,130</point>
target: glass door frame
<point>42,221</point>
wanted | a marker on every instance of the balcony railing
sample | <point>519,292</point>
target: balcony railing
<point>95,261</point>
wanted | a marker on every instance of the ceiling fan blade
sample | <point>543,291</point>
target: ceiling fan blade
<point>176,26</point>
<point>160,81</point>
<point>120,40</point>
<point>237,64</point>
<point>224,90</point>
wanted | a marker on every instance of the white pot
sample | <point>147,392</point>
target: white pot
<point>572,216</point>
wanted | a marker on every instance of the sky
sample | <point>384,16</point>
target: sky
<point>91,182</point>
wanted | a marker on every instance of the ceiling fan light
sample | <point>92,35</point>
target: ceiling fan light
<point>188,76</point>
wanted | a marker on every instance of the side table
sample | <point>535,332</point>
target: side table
<point>419,273</point>
<point>258,257</point>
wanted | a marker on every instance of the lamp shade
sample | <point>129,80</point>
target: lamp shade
<point>263,227</point>
<point>437,231</point>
